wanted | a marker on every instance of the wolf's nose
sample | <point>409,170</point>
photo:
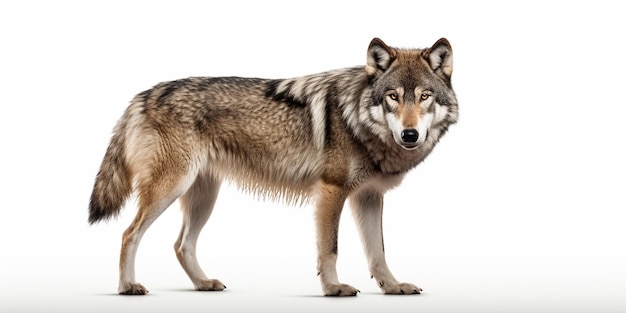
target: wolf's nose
<point>410,135</point>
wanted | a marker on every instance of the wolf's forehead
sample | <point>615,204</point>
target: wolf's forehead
<point>410,71</point>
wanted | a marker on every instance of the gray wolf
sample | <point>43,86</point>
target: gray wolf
<point>348,134</point>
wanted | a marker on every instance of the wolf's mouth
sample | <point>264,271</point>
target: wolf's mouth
<point>410,146</point>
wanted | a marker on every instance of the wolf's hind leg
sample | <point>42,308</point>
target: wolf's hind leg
<point>151,205</point>
<point>197,204</point>
<point>367,210</point>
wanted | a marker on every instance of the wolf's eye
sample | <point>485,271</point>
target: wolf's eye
<point>424,96</point>
<point>393,96</point>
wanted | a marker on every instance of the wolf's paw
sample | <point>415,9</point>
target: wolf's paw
<point>340,290</point>
<point>400,289</point>
<point>132,289</point>
<point>210,285</point>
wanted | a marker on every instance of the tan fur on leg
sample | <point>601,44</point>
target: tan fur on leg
<point>329,206</point>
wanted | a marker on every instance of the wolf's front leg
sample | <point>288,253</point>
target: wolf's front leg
<point>367,210</point>
<point>328,211</point>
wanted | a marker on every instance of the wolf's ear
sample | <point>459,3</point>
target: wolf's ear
<point>379,57</point>
<point>439,56</point>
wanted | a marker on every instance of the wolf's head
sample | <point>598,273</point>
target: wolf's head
<point>411,90</point>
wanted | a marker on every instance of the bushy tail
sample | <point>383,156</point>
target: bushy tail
<point>113,183</point>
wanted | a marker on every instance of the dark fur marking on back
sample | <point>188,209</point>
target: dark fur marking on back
<point>169,89</point>
<point>331,104</point>
<point>284,96</point>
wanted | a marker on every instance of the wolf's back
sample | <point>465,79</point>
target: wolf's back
<point>113,183</point>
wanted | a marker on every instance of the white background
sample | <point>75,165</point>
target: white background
<point>519,209</point>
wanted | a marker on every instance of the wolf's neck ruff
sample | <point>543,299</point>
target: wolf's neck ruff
<point>317,93</point>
